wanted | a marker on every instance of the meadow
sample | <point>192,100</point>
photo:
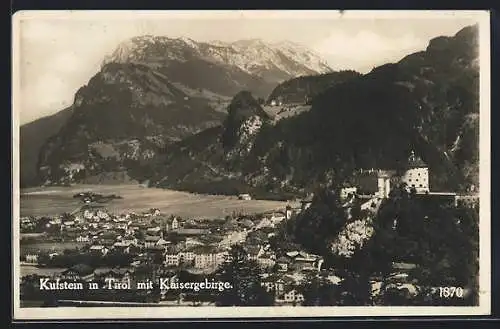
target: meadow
<point>46,201</point>
<point>49,246</point>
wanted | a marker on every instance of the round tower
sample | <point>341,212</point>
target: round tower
<point>417,174</point>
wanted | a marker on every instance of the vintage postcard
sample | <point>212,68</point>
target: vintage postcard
<point>250,164</point>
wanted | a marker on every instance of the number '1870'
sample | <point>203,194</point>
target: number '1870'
<point>450,292</point>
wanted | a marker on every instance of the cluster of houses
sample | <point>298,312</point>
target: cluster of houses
<point>283,283</point>
<point>201,244</point>
<point>194,245</point>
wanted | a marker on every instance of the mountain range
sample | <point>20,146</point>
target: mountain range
<point>273,62</point>
<point>150,91</point>
<point>271,120</point>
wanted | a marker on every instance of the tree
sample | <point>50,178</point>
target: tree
<point>139,235</point>
<point>117,258</point>
<point>317,291</point>
<point>321,222</point>
<point>200,296</point>
<point>174,237</point>
<point>441,240</point>
<point>354,290</point>
<point>395,296</point>
<point>41,224</point>
<point>244,276</point>
<point>29,288</point>
<point>284,240</point>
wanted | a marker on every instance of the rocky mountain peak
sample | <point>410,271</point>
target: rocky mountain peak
<point>253,56</point>
<point>244,105</point>
<point>245,118</point>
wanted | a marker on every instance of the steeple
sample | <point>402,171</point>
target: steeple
<point>415,161</point>
<point>412,156</point>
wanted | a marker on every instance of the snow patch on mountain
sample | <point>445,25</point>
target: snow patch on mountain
<point>253,56</point>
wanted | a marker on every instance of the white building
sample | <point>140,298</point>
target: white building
<point>122,246</point>
<point>32,258</point>
<point>186,256</point>
<point>174,224</point>
<point>102,214</point>
<point>87,214</point>
<point>221,256</point>
<point>293,296</point>
<point>82,238</point>
<point>192,242</point>
<point>345,191</point>
<point>277,217</point>
<point>206,257</point>
<point>172,259</point>
<point>122,225</point>
<point>153,230</point>
<point>306,203</point>
<point>244,196</point>
<point>266,260</point>
<point>384,184</point>
<point>99,249</point>
<point>151,241</point>
<point>417,174</point>
<point>129,239</point>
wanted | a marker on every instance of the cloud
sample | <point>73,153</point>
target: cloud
<point>365,49</point>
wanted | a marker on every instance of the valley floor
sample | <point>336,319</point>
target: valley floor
<point>44,201</point>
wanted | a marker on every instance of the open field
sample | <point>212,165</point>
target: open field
<point>26,269</point>
<point>47,204</point>
<point>31,269</point>
<point>50,246</point>
<point>56,200</point>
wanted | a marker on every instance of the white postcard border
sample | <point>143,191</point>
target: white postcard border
<point>103,313</point>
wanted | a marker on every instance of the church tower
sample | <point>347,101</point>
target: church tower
<point>417,174</point>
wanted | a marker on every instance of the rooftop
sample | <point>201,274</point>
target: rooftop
<point>252,249</point>
<point>448,194</point>
<point>403,266</point>
<point>191,231</point>
<point>415,161</point>
<point>119,271</point>
<point>81,269</point>
<point>203,250</point>
<point>150,238</point>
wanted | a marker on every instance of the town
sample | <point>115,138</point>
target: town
<point>95,245</point>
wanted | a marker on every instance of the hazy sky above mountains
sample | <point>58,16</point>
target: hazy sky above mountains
<point>59,54</point>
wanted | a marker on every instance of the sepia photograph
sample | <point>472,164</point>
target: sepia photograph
<point>250,164</point>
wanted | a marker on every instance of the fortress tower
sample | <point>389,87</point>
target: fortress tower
<point>417,174</point>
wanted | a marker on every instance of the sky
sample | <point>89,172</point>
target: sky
<point>58,52</point>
